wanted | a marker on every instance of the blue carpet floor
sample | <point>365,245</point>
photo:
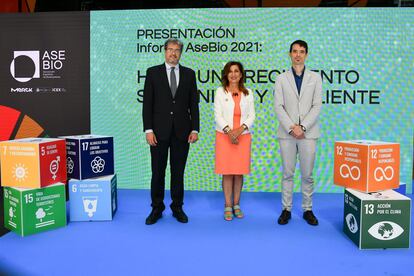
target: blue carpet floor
<point>207,245</point>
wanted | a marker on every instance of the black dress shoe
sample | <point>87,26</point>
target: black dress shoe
<point>180,216</point>
<point>310,218</point>
<point>284,217</point>
<point>153,217</point>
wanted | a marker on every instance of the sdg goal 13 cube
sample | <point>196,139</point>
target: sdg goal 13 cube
<point>367,166</point>
<point>93,199</point>
<point>32,162</point>
<point>89,156</point>
<point>377,219</point>
<point>29,211</point>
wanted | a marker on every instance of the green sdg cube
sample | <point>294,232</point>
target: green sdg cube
<point>30,211</point>
<point>378,219</point>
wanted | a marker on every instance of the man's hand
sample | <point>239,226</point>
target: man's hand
<point>302,136</point>
<point>193,137</point>
<point>297,132</point>
<point>151,139</point>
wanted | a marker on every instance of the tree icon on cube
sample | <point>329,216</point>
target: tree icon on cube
<point>40,214</point>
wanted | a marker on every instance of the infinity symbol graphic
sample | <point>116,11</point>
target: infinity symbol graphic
<point>349,172</point>
<point>384,173</point>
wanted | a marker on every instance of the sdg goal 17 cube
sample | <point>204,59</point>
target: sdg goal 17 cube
<point>89,156</point>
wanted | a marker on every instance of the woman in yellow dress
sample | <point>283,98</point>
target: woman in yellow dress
<point>234,115</point>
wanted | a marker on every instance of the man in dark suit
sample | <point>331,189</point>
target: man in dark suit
<point>171,122</point>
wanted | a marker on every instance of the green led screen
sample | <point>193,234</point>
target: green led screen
<point>365,58</point>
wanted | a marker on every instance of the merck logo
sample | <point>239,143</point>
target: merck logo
<point>21,90</point>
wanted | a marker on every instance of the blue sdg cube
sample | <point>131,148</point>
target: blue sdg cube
<point>93,199</point>
<point>89,156</point>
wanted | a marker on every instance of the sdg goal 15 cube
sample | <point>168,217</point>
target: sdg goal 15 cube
<point>29,211</point>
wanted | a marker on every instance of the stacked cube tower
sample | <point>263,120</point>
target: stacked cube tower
<point>33,173</point>
<point>375,216</point>
<point>92,184</point>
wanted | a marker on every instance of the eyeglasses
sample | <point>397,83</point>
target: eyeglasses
<point>172,50</point>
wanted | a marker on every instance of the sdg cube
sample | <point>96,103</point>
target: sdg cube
<point>32,162</point>
<point>367,166</point>
<point>93,199</point>
<point>89,156</point>
<point>29,211</point>
<point>377,219</point>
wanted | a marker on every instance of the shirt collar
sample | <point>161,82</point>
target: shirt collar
<point>294,72</point>
<point>168,66</point>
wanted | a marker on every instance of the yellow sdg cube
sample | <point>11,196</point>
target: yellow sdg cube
<point>33,162</point>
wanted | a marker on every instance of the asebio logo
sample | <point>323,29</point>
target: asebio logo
<point>28,65</point>
<point>25,65</point>
<point>352,223</point>
<point>385,230</point>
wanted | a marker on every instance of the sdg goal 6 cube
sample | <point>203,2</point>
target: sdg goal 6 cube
<point>93,199</point>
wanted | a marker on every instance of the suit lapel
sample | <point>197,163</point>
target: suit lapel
<point>180,82</point>
<point>292,83</point>
<point>164,79</point>
<point>305,80</point>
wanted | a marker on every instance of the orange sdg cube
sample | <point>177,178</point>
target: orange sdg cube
<point>367,166</point>
<point>33,162</point>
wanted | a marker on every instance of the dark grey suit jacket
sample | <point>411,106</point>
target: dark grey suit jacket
<point>161,112</point>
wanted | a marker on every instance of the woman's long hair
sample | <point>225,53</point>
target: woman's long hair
<point>225,79</point>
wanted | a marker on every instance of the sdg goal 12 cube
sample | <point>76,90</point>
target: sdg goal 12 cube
<point>29,211</point>
<point>367,166</point>
<point>32,162</point>
<point>93,199</point>
<point>89,156</point>
<point>377,219</point>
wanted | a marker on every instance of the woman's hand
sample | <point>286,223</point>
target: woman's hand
<point>234,134</point>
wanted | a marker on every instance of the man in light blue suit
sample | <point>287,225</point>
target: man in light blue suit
<point>298,101</point>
